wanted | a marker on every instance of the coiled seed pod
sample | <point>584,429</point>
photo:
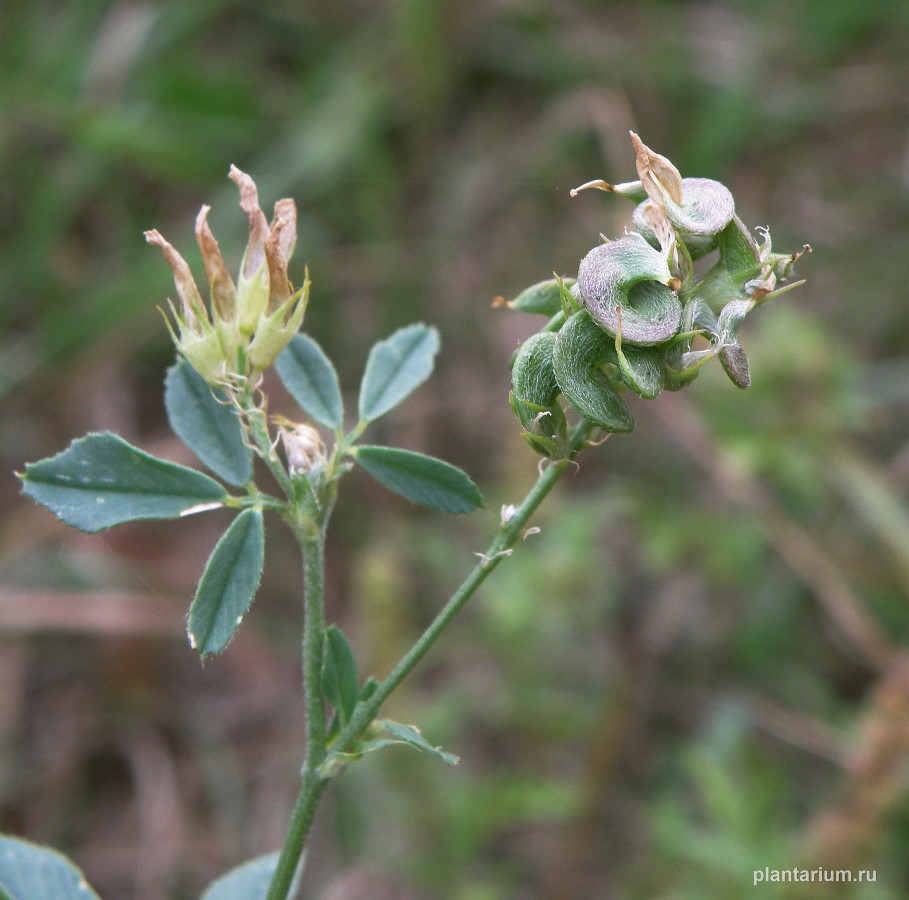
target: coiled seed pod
<point>582,348</point>
<point>534,392</point>
<point>706,209</point>
<point>630,274</point>
<point>533,378</point>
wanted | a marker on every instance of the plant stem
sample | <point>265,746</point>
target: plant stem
<point>509,533</point>
<point>313,549</point>
<point>313,637</point>
<point>258,430</point>
<point>314,781</point>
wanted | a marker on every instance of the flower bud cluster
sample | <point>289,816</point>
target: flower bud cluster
<point>249,321</point>
<point>639,317</point>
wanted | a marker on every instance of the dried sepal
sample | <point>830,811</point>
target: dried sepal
<point>223,292</point>
<point>254,257</point>
<point>279,286</point>
<point>190,298</point>
<point>659,177</point>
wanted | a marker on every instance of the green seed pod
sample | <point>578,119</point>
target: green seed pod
<point>642,369</point>
<point>532,378</point>
<point>533,396</point>
<point>706,209</point>
<point>630,274</point>
<point>581,350</point>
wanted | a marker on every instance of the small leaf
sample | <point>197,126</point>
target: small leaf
<point>544,298</point>
<point>412,735</point>
<point>311,380</point>
<point>249,881</point>
<point>396,367</point>
<point>202,419</point>
<point>738,250</point>
<point>31,872</point>
<point>228,584</point>
<point>422,479</point>
<point>339,673</point>
<point>100,480</point>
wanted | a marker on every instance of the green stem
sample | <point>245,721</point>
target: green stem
<point>313,638</point>
<point>314,781</point>
<point>508,535</point>
<point>313,548</point>
<point>258,430</point>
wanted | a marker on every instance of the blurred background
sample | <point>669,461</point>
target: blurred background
<point>697,669</point>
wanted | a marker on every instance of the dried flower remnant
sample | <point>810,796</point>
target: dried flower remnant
<point>302,445</point>
<point>249,322</point>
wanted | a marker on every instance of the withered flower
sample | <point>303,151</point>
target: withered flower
<point>249,322</point>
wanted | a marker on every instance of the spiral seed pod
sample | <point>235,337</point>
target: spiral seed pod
<point>706,209</point>
<point>697,208</point>
<point>630,274</point>
<point>582,348</point>
<point>533,378</point>
<point>534,396</point>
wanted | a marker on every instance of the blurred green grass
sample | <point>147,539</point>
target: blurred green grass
<point>657,698</point>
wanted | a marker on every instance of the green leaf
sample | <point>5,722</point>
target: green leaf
<point>100,480</point>
<point>247,882</point>
<point>203,420</point>
<point>228,584</point>
<point>396,367</point>
<point>31,872</point>
<point>311,380</point>
<point>410,734</point>
<point>422,479</point>
<point>544,297</point>
<point>339,673</point>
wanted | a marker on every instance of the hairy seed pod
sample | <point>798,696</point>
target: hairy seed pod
<point>532,378</point>
<point>581,350</point>
<point>534,396</point>
<point>707,207</point>
<point>630,274</point>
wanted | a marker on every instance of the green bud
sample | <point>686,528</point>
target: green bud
<point>276,330</point>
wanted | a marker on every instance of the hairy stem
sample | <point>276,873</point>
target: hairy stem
<point>314,781</point>
<point>257,429</point>
<point>313,549</point>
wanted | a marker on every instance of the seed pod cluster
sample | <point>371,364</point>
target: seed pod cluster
<point>639,317</point>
